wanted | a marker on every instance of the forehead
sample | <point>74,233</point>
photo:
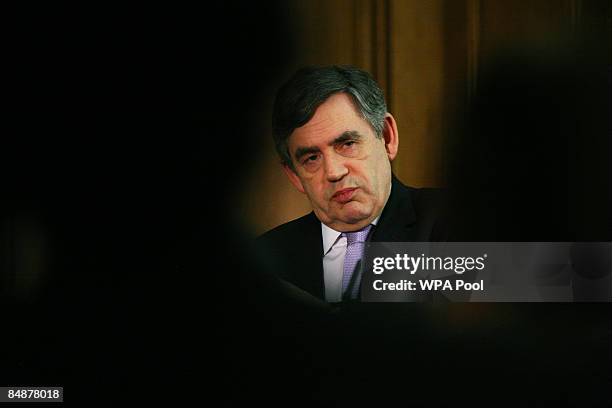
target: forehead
<point>336,115</point>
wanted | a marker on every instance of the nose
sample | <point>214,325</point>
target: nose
<point>335,167</point>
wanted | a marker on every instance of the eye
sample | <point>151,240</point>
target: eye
<point>348,148</point>
<point>311,162</point>
<point>311,159</point>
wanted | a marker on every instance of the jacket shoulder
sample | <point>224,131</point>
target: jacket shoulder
<point>423,200</point>
<point>424,208</point>
<point>289,230</point>
<point>427,198</point>
<point>431,207</point>
<point>294,251</point>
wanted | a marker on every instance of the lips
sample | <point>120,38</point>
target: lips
<point>344,196</point>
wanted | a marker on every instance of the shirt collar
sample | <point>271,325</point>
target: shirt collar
<point>331,236</point>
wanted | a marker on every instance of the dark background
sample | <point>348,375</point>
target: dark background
<point>128,129</point>
<point>125,277</point>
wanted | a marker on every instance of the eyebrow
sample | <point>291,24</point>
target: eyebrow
<point>345,136</point>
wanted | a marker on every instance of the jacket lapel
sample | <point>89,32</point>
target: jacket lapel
<point>311,262</point>
<point>397,222</point>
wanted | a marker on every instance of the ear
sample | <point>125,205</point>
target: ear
<point>390,136</point>
<point>294,178</point>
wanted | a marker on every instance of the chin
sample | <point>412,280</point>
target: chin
<point>355,216</point>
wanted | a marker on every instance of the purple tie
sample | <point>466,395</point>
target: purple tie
<point>355,243</point>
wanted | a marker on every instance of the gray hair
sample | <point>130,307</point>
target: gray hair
<point>298,99</point>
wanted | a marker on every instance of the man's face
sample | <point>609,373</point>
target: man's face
<point>341,166</point>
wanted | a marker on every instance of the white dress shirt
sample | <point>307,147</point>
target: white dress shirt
<point>334,250</point>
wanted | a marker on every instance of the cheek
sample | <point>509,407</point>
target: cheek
<point>315,190</point>
<point>379,172</point>
<point>371,167</point>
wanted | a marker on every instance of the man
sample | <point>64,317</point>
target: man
<point>336,142</point>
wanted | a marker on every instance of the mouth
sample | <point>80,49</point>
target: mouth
<point>345,195</point>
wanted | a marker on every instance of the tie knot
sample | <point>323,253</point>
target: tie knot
<point>357,236</point>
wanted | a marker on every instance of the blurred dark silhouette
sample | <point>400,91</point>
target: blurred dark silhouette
<point>126,275</point>
<point>529,162</point>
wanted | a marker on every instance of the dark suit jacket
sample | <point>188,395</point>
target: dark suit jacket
<point>296,248</point>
